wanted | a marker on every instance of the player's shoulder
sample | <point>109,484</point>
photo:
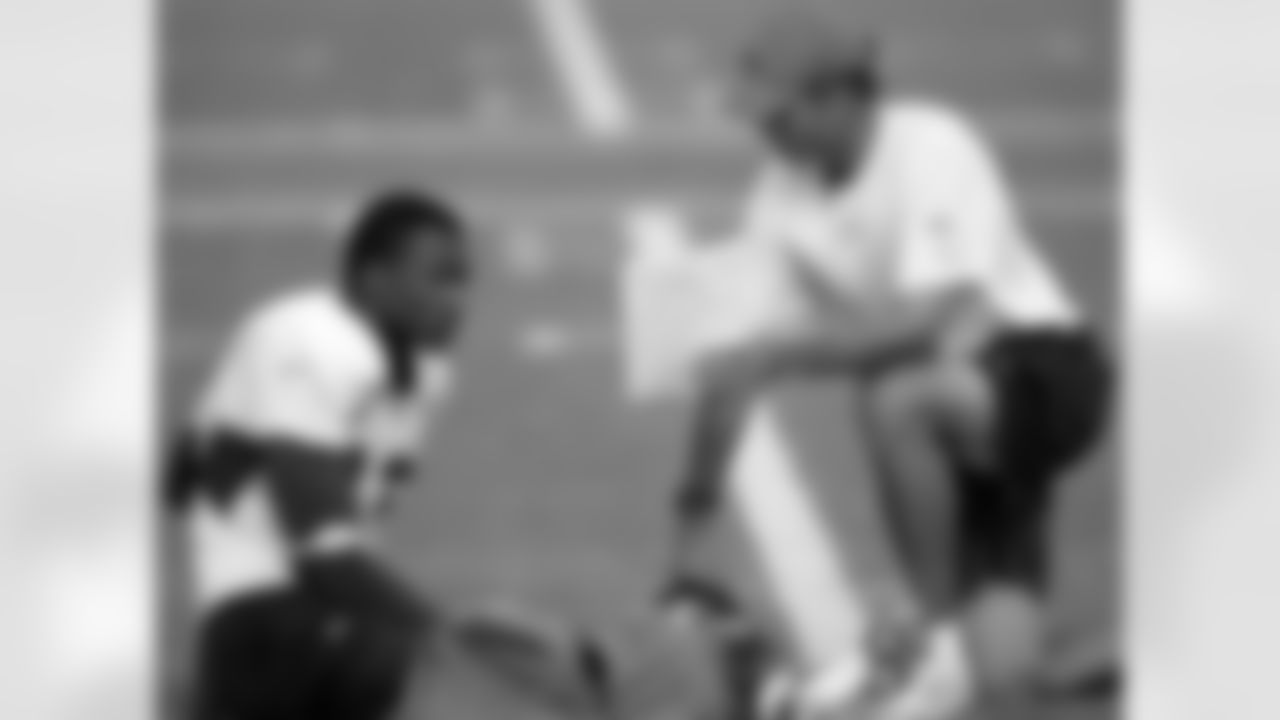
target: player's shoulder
<point>312,324</point>
<point>937,145</point>
<point>931,125</point>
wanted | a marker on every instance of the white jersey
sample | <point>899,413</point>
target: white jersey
<point>304,367</point>
<point>930,211</point>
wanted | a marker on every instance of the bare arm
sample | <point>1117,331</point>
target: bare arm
<point>867,338</point>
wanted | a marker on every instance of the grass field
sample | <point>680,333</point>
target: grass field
<point>281,115</point>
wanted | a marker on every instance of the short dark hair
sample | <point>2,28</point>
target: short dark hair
<point>396,218</point>
<point>808,46</point>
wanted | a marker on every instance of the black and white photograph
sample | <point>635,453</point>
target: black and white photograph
<point>640,360</point>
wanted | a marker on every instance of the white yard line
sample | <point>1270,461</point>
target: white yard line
<point>225,141</point>
<point>548,341</point>
<point>793,542</point>
<point>592,84</point>
<point>322,211</point>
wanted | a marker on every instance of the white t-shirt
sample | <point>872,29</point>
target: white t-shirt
<point>304,367</point>
<point>929,212</point>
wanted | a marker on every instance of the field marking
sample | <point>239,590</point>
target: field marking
<point>574,38</point>
<point>548,341</point>
<point>332,210</point>
<point>793,542</point>
<point>342,137</point>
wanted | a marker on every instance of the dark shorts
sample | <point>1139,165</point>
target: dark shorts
<point>340,644</point>
<point>1053,392</point>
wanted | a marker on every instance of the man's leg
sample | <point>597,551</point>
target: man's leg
<point>1004,537</point>
<point>921,424</point>
<point>379,627</point>
<point>783,558</point>
<point>968,456</point>
<point>261,657</point>
<point>1052,389</point>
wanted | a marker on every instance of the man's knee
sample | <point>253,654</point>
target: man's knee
<point>284,652</point>
<point>898,400</point>
<point>367,592</point>
<point>914,398</point>
<point>371,673</point>
<point>261,656</point>
<point>950,404</point>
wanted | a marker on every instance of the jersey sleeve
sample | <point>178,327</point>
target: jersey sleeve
<point>960,215</point>
<point>281,384</point>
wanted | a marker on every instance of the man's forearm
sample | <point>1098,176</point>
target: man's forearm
<point>866,344</point>
<point>869,339</point>
<point>717,419</point>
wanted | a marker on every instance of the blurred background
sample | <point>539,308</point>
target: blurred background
<point>552,121</point>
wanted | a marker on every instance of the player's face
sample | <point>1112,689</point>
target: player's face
<point>818,124</point>
<point>429,289</point>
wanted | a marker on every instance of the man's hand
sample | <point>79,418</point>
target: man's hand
<point>968,327</point>
<point>966,338</point>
